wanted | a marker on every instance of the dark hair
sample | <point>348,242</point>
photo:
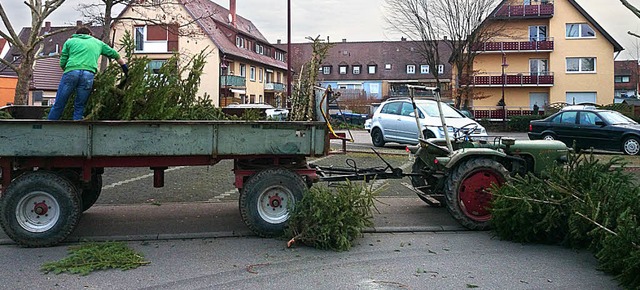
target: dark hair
<point>83,30</point>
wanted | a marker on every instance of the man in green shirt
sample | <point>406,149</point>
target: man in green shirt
<point>79,61</point>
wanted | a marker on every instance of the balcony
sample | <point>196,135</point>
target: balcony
<point>513,80</point>
<point>511,11</point>
<point>232,81</point>
<point>274,87</point>
<point>545,45</point>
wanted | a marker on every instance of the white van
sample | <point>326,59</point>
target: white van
<point>394,121</point>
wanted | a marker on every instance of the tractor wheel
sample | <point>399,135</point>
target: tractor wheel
<point>377,138</point>
<point>267,198</point>
<point>631,146</point>
<point>40,209</point>
<point>467,191</point>
<point>420,184</point>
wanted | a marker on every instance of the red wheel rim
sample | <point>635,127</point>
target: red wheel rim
<point>475,196</point>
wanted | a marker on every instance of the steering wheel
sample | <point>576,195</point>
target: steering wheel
<point>466,130</point>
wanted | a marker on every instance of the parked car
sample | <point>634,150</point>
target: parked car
<point>394,121</point>
<point>367,125</point>
<point>589,128</point>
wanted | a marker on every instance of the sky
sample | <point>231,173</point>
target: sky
<point>354,20</point>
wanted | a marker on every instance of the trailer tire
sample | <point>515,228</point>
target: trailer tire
<point>266,199</point>
<point>39,209</point>
<point>466,191</point>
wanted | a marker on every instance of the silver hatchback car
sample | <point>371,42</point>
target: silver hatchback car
<point>394,121</point>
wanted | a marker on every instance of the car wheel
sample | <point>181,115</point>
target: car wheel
<point>377,138</point>
<point>548,137</point>
<point>631,146</point>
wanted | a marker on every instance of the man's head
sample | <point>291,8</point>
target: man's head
<point>83,30</point>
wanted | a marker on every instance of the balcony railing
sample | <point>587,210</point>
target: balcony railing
<point>275,87</point>
<point>542,45</point>
<point>544,10</point>
<point>233,81</point>
<point>513,79</point>
<point>497,113</point>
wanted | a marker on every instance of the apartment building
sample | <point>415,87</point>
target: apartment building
<point>375,70</point>
<point>548,52</point>
<point>626,79</point>
<point>242,67</point>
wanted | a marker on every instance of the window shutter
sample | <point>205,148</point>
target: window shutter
<point>156,32</point>
<point>172,43</point>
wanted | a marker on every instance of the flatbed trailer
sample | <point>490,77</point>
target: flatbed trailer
<point>51,171</point>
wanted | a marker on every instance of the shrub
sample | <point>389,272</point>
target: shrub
<point>586,204</point>
<point>328,219</point>
<point>521,123</point>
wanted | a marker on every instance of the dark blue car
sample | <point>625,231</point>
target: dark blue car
<point>589,128</point>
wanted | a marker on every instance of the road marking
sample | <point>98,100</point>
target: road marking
<point>119,183</point>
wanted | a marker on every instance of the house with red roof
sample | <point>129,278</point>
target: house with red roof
<point>4,47</point>
<point>242,66</point>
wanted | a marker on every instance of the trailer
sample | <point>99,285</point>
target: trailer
<point>51,171</point>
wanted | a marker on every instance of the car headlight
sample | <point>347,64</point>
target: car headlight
<point>449,129</point>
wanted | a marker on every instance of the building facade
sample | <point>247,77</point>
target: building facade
<point>626,80</point>
<point>548,52</point>
<point>242,67</point>
<point>376,70</point>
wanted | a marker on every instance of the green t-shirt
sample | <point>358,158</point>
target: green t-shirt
<point>81,52</point>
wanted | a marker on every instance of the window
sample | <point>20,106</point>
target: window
<point>342,69</point>
<point>424,69</point>
<point>156,38</point>
<point>279,56</point>
<point>538,66</point>
<point>411,69</point>
<point>622,79</point>
<point>387,66</point>
<point>243,70</point>
<point>260,75</point>
<point>259,49</point>
<point>139,38</point>
<point>155,65</point>
<point>569,117</point>
<point>440,69</point>
<point>580,30</point>
<point>252,73</point>
<point>326,70</point>
<point>356,69</point>
<point>581,64</point>
<point>372,69</point>
<point>240,42</point>
<point>392,108</point>
<point>538,33</point>
<point>589,118</point>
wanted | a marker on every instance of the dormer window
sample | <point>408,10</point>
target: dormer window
<point>580,30</point>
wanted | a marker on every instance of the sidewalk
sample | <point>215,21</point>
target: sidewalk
<point>212,220</point>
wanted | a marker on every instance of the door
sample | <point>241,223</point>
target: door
<point>566,127</point>
<point>407,127</point>
<point>591,135</point>
<point>388,119</point>
<point>575,98</point>
<point>540,99</point>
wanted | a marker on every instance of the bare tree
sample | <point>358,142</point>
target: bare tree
<point>416,20</point>
<point>461,24</point>
<point>635,11</point>
<point>30,48</point>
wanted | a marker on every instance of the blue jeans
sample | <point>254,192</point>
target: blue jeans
<point>80,81</point>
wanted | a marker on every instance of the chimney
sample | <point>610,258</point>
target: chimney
<point>445,37</point>
<point>403,39</point>
<point>232,11</point>
<point>47,27</point>
<point>78,22</point>
<point>279,41</point>
<point>344,40</point>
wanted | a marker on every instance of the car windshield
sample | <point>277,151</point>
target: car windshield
<point>616,118</point>
<point>431,109</point>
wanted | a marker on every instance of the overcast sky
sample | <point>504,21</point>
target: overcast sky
<point>355,20</point>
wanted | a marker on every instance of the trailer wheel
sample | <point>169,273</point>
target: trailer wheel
<point>39,209</point>
<point>267,198</point>
<point>467,191</point>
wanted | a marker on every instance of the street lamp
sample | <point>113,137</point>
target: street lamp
<point>504,82</point>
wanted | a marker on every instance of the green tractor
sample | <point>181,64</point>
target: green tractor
<point>460,172</point>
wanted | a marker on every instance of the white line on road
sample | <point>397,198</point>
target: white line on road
<point>119,183</point>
